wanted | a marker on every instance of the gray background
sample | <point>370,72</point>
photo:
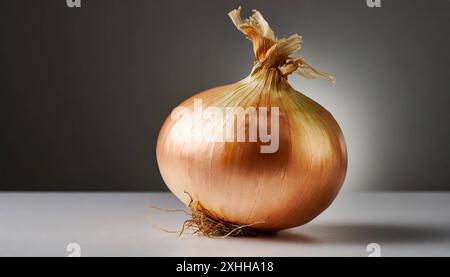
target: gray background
<point>83,92</point>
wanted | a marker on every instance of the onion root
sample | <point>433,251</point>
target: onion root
<point>201,222</point>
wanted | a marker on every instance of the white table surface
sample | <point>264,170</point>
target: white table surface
<point>119,224</point>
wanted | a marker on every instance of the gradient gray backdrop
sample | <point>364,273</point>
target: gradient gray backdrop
<point>83,92</point>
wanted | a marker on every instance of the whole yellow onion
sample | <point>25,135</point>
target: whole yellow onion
<point>239,182</point>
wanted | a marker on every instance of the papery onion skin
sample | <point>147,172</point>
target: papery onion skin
<point>237,183</point>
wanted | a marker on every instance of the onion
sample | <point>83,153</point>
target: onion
<point>234,184</point>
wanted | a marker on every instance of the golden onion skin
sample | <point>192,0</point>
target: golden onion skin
<point>237,183</point>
